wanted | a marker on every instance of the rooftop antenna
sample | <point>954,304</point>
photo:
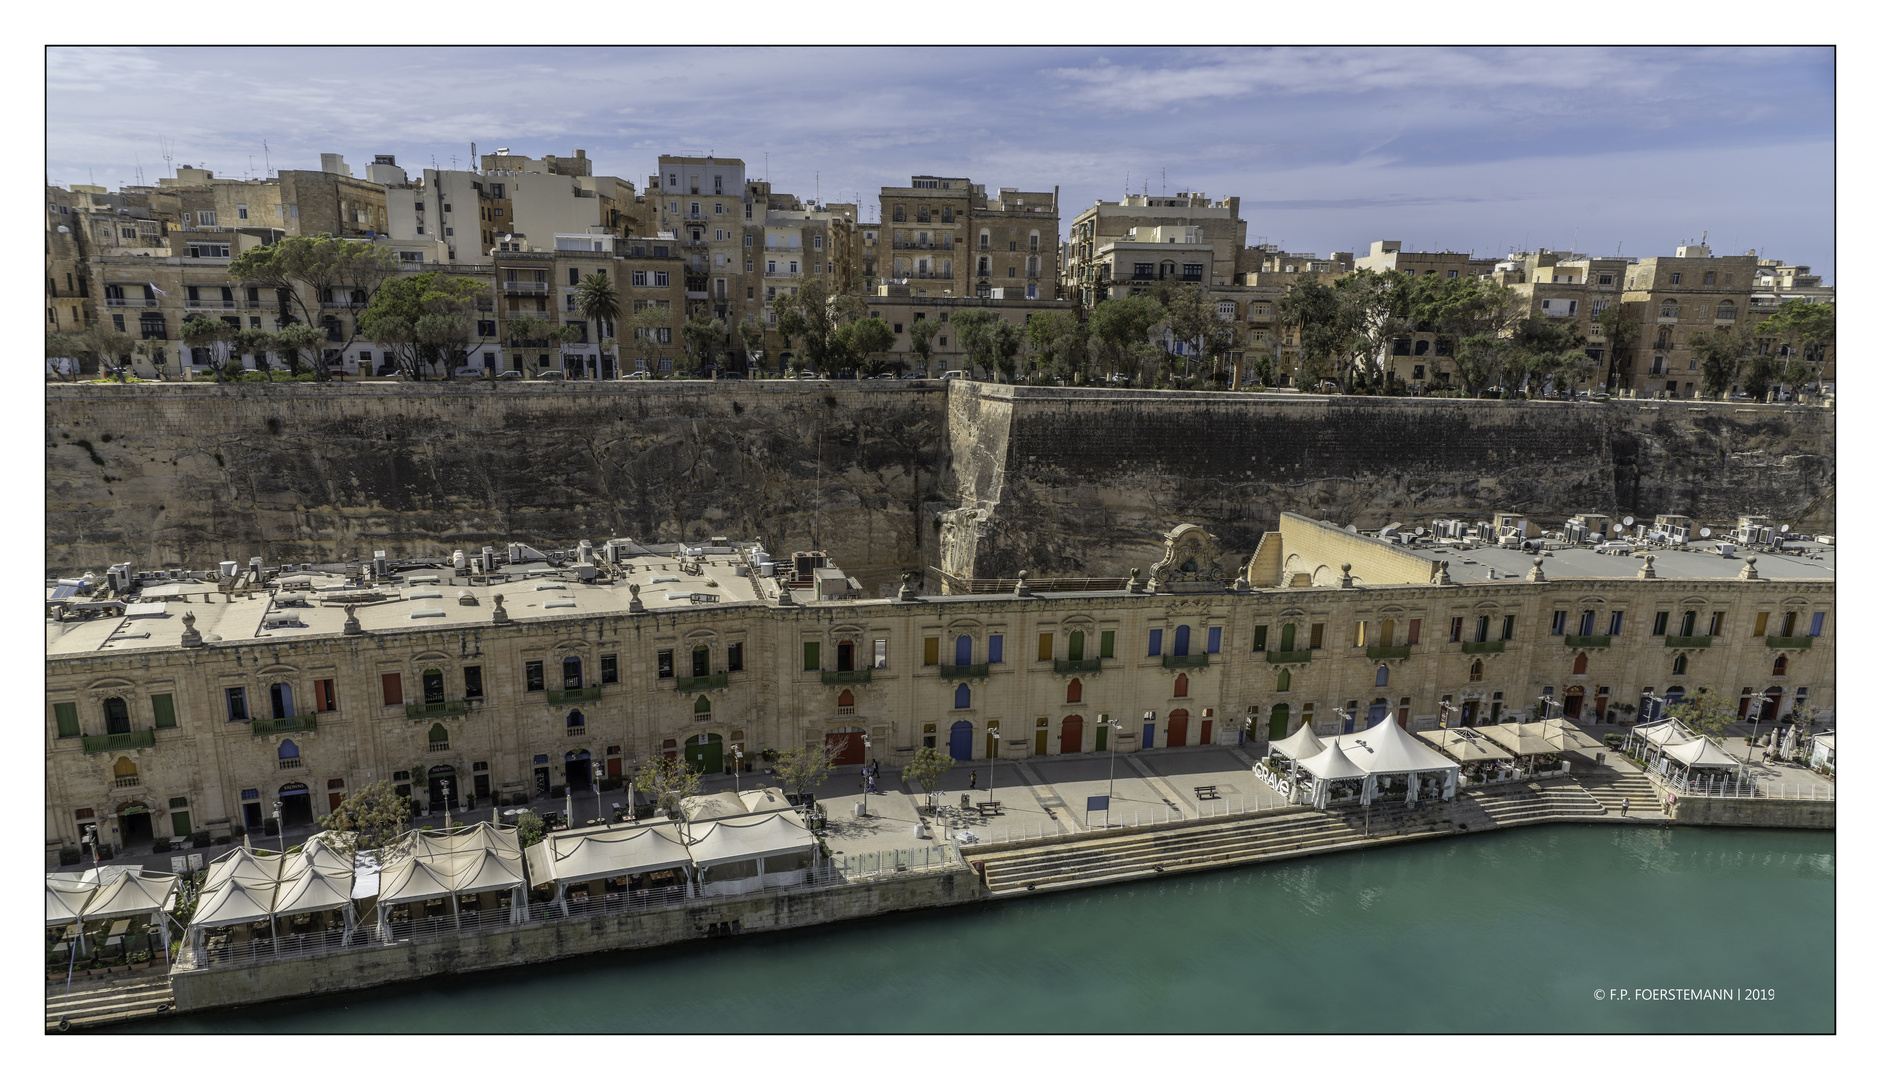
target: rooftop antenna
<point>266,165</point>
<point>168,147</point>
<point>138,158</point>
<point>1165,181</point>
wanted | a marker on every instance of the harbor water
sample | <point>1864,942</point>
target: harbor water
<point>1563,928</point>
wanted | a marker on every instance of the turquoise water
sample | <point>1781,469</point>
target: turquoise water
<point>1507,932</point>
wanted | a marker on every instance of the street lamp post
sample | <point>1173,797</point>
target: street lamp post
<point>738,765</point>
<point>281,839</point>
<point>1346,715</point>
<point>865,777</point>
<point>1110,792</point>
<point>445,787</point>
<point>599,813</point>
<point>992,768</point>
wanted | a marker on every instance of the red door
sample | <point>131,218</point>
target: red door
<point>1208,731</point>
<point>334,799</point>
<point>1178,728</point>
<point>845,747</point>
<point>1072,739</point>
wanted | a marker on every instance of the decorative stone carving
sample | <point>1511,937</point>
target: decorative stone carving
<point>497,614</point>
<point>1022,589</point>
<point>1440,575</point>
<point>1191,562</point>
<point>1646,570</point>
<point>633,602</point>
<point>1136,580</point>
<point>351,627</point>
<point>1535,574</point>
<point>191,638</point>
<point>784,599</point>
<point>1345,575</point>
<point>1749,572</point>
<point>907,587</point>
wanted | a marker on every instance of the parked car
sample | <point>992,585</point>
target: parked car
<point>469,373</point>
<point>913,375</point>
<point>509,374</point>
<point>955,374</point>
<point>808,374</point>
<point>550,373</point>
<point>731,374</point>
<point>636,375</point>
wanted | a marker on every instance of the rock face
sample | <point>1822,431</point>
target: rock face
<point>978,479</point>
<point>191,474</point>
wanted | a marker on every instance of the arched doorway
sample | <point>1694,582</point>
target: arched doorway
<point>1182,686</point>
<point>133,824</point>
<point>1277,724</point>
<point>435,779</point>
<point>1071,735</point>
<point>1571,702</point>
<point>845,746</point>
<point>1772,704</point>
<point>1178,728</point>
<point>960,740</point>
<point>296,805</point>
<point>705,752</point>
<point>575,771</point>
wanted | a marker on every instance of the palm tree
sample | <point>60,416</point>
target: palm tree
<point>596,300</point>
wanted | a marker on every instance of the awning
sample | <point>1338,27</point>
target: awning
<point>1300,745</point>
<point>136,892</point>
<point>720,804</point>
<point>1387,748</point>
<point>1464,744</point>
<point>1332,764</point>
<point>1701,754</point>
<point>65,900</point>
<point>1569,736</point>
<point>588,854</point>
<point>1668,731</point>
<point>757,837</point>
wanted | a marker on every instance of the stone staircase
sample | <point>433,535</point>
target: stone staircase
<point>1608,785</point>
<point>1529,804</point>
<point>107,1002</point>
<point>1100,858</point>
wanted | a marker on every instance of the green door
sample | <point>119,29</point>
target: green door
<point>1077,645</point>
<point>1103,737</point>
<point>706,753</point>
<point>1286,638</point>
<point>1277,723</point>
<point>179,823</point>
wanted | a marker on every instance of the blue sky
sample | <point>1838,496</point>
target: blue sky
<point>1634,150</point>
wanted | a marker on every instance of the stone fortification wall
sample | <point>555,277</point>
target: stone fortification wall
<point>192,474</point>
<point>979,479</point>
<point>1086,481</point>
<point>1755,813</point>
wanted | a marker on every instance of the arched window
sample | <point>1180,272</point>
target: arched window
<point>1580,664</point>
<point>1476,671</point>
<point>702,709</point>
<point>846,699</point>
<point>117,716</point>
<point>1727,310</point>
<point>1782,665</point>
<point>1283,682</point>
<point>576,721</point>
<point>1182,686</point>
<point>433,682</point>
<point>963,697</point>
<point>288,751</point>
<point>1669,309</point>
<point>1384,676</point>
<point>571,673</point>
<point>125,772</point>
<point>1664,340</point>
<point>1678,664</point>
<point>1182,640</point>
<point>440,737</point>
<point>1075,692</point>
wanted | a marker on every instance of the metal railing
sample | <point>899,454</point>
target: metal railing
<point>566,697</point>
<point>686,684</point>
<point>870,864</point>
<point>1387,652</point>
<point>260,728</point>
<point>917,245</point>
<point>1067,667</point>
<point>129,740</point>
<point>228,305</point>
<point>1194,660</point>
<point>435,708</point>
<point>119,301</point>
<point>1749,787</point>
<point>1789,642</point>
<point>838,678</point>
<point>1470,647</point>
<point>526,286</point>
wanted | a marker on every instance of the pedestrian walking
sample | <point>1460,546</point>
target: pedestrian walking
<point>1625,805</point>
<point>973,781</point>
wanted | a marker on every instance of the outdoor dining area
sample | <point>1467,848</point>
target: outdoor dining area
<point>468,876</point>
<point>1382,763</point>
<point>1494,753</point>
<point>278,902</point>
<point>109,916</point>
<point>1682,757</point>
<point>647,864</point>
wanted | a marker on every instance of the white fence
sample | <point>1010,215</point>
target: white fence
<point>1732,787</point>
<point>871,864</point>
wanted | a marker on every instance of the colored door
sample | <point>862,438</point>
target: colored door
<point>1178,728</point>
<point>334,799</point>
<point>179,823</point>
<point>1071,735</point>
<point>845,746</point>
<point>1039,739</point>
<point>1208,732</point>
<point>1182,640</point>
<point>706,753</point>
<point>1571,704</point>
<point>960,740</point>
<point>1103,738</point>
<point>1277,724</point>
<point>1286,638</point>
<point>1149,737</point>
<point>1379,711</point>
<point>1076,646</point>
<point>963,651</point>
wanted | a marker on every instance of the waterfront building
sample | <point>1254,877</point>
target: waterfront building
<point>176,704</point>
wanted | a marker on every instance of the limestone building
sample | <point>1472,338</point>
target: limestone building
<point>176,703</point>
<point>1674,298</point>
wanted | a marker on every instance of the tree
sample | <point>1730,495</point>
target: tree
<point>1463,307</point>
<point>1313,311</point>
<point>530,829</point>
<point>1059,344</point>
<point>1621,333</point>
<point>1721,353</point>
<point>1801,323</point>
<point>646,325</point>
<point>867,338</point>
<point>249,341</point>
<point>597,302</point>
<point>203,332</point>
<point>927,769</point>
<point>812,315</point>
<point>369,819</point>
<point>296,340</point>
<point>1552,349</point>
<point>1374,309</point>
<point>325,267</point>
<point>990,341</point>
<point>1705,713</point>
<point>702,339</point>
<point>424,319</point>
<point>64,347</point>
<point>921,340</point>
<point>106,345</point>
<point>804,767</point>
<point>1195,321</point>
<point>1120,328</point>
<point>667,782</point>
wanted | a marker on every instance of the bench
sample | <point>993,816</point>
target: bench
<point>988,809</point>
<point>1207,791</point>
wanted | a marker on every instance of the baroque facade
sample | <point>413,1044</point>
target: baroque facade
<point>175,703</point>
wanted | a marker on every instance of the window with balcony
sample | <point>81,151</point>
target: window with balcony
<point>237,699</point>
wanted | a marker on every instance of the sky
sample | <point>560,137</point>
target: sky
<point>1603,151</point>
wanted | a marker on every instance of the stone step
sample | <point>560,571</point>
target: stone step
<point>1068,864</point>
<point>1153,846</point>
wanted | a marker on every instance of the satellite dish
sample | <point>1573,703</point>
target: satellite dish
<point>1783,528</point>
<point>1351,528</point>
<point>1626,521</point>
<point>1420,530</point>
<point>1704,532</point>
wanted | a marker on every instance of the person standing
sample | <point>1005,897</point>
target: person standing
<point>973,781</point>
<point>1625,805</point>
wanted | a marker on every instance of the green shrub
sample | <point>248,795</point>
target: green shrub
<point>160,845</point>
<point>68,856</point>
<point>199,839</point>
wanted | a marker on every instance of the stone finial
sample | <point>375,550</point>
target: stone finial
<point>1442,574</point>
<point>191,638</point>
<point>497,614</point>
<point>1535,574</point>
<point>1749,572</point>
<point>784,598</point>
<point>351,628</point>
<point>1345,575</point>
<point>1136,580</point>
<point>633,603</point>
<point>1646,570</point>
<point>907,587</point>
<point>1022,589</point>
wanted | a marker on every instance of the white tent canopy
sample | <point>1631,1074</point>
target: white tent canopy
<point>1666,731</point>
<point>565,858</point>
<point>66,900</point>
<point>1300,745</point>
<point>738,855</point>
<point>431,865</point>
<point>719,804</point>
<point>1385,749</point>
<point>315,879</point>
<point>1464,744</point>
<point>1521,740</point>
<point>1701,754</point>
<point>1327,766</point>
<point>1568,736</point>
<point>137,892</point>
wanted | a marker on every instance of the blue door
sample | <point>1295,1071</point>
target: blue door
<point>1349,720</point>
<point>963,650</point>
<point>1379,709</point>
<point>1182,641</point>
<point>1149,737</point>
<point>960,740</point>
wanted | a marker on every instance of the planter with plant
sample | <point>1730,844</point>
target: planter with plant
<point>199,839</point>
<point>68,856</point>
